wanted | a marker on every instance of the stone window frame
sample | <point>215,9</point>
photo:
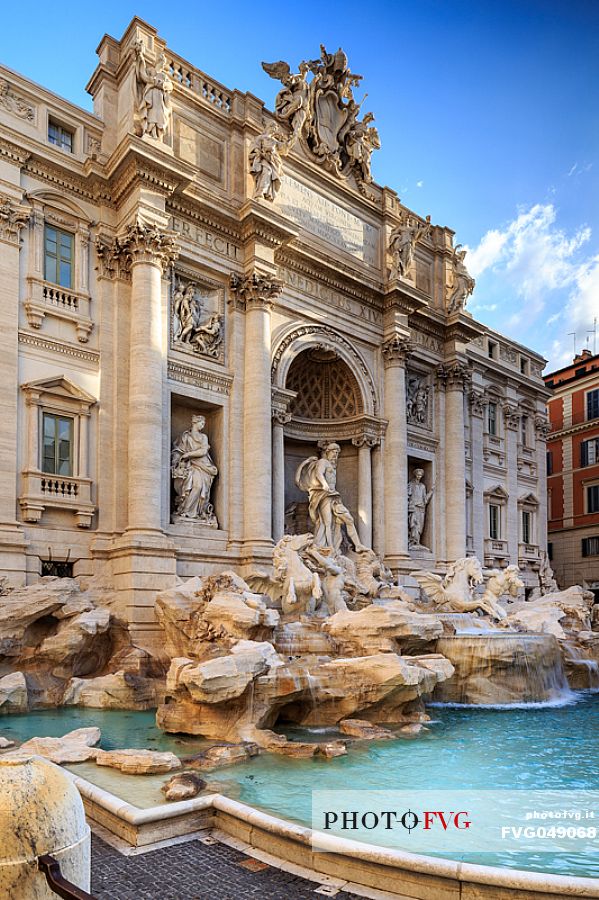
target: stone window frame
<point>45,298</point>
<point>57,395</point>
<point>588,484</point>
<point>528,503</point>
<point>496,496</point>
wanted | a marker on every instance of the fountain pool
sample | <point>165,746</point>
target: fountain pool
<point>515,749</point>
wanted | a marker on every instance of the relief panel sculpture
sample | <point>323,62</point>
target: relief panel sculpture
<point>197,324</point>
<point>417,400</point>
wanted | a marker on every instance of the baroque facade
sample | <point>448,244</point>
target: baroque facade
<point>196,295</point>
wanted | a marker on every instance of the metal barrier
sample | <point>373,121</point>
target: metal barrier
<point>57,882</point>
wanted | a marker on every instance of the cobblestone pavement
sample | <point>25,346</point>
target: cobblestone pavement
<point>193,871</point>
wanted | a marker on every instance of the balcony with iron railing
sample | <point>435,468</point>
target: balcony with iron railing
<point>47,299</point>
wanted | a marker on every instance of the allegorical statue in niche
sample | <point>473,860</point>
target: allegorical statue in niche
<point>463,282</point>
<point>318,477</point>
<point>402,245</point>
<point>193,472</point>
<point>154,86</point>
<point>265,162</point>
<point>418,500</point>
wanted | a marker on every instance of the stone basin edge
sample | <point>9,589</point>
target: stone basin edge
<point>493,876</point>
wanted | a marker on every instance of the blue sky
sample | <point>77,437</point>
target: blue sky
<point>488,113</point>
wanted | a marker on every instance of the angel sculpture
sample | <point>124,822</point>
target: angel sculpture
<point>456,591</point>
<point>291,105</point>
<point>463,282</point>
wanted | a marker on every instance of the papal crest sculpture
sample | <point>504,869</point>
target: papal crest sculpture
<point>323,113</point>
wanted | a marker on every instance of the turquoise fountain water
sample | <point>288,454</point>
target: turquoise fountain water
<point>517,749</point>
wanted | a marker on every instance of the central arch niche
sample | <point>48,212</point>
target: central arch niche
<point>327,396</point>
<point>325,386</point>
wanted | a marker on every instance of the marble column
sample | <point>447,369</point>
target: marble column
<point>477,409</point>
<point>150,251</point>
<point>12,542</point>
<point>378,499</point>
<point>256,294</point>
<point>455,375</point>
<point>395,352</point>
<point>364,523</point>
<point>511,419</point>
<point>279,420</point>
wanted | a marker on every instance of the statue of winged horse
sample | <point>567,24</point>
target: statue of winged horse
<point>455,592</point>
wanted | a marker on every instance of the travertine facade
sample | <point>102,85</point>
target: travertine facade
<point>184,252</point>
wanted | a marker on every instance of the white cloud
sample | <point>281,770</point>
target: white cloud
<point>533,266</point>
<point>420,184</point>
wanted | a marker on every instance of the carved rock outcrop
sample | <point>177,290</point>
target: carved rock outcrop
<point>73,747</point>
<point>13,693</point>
<point>392,628</point>
<point>120,690</point>
<point>184,786</point>
<point>138,762</point>
<point>216,608</point>
<point>562,613</point>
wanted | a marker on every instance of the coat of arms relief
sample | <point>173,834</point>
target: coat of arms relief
<point>322,113</point>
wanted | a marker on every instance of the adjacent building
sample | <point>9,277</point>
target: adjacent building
<point>184,257</point>
<point>573,472</point>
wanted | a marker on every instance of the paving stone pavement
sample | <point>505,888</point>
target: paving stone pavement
<point>192,871</point>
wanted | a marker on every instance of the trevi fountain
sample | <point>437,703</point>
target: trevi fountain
<point>293,505</point>
<point>311,674</point>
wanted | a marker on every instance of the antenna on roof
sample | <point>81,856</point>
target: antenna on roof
<point>573,334</point>
<point>593,331</point>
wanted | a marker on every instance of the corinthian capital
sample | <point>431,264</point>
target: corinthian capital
<point>251,291</point>
<point>511,416</point>
<point>396,351</point>
<point>149,244</point>
<point>454,375</point>
<point>13,217</point>
<point>542,428</point>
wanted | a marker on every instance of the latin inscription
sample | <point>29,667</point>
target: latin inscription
<point>334,298</point>
<point>206,239</point>
<point>328,221</point>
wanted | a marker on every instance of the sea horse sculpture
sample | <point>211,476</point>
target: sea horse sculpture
<point>456,590</point>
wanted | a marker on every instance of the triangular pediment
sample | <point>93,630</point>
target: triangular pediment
<point>59,386</point>
<point>498,492</point>
<point>528,500</point>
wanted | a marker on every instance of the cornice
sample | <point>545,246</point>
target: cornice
<point>229,228</point>
<point>219,383</point>
<point>13,152</point>
<point>54,346</point>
